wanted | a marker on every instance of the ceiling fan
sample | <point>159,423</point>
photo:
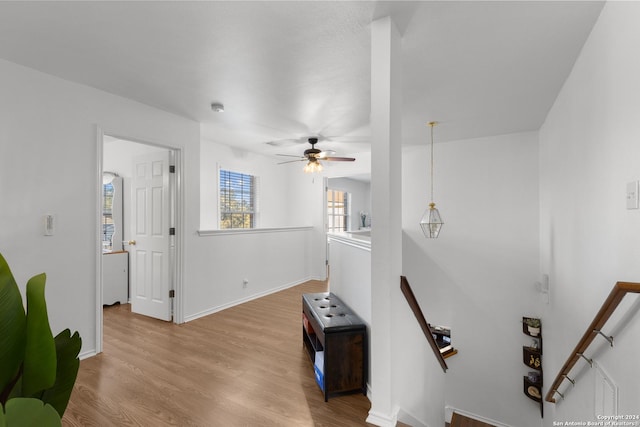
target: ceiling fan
<point>313,156</point>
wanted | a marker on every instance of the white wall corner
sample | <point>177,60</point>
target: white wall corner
<point>406,418</point>
<point>448,413</point>
<point>382,420</point>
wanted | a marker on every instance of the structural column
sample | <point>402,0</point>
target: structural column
<point>386,202</point>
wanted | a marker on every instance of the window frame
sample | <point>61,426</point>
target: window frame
<point>346,208</point>
<point>107,223</point>
<point>253,200</point>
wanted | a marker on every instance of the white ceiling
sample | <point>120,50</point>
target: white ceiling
<point>298,68</point>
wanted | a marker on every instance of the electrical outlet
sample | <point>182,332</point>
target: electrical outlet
<point>245,282</point>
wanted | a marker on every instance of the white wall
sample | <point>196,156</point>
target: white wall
<point>48,129</point>
<point>589,150</point>
<point>269,258</point>
<point>350,261</point>
<point>477,277</point>
<point>350,279</point>
<point>48,165</point>
<point>273,185</point>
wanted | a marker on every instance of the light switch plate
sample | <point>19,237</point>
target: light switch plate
<point>49,225</point>
<point>632,195</point>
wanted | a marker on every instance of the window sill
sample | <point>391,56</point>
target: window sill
<point>227,232</point>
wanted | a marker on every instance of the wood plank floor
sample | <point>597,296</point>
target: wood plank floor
<point>244,366</point>
<point>458,420</point>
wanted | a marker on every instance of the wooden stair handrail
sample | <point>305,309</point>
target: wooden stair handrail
<point>616,295</point>
<point>417,311</point>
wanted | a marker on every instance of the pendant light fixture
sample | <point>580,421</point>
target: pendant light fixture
<point>431,221</point>
<point>313,166</point>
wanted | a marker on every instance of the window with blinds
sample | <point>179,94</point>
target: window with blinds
<point>237,200</point>
<point>337,210</point>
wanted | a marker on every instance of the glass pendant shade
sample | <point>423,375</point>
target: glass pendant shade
<point>313,166</point>
<point>431,222</point>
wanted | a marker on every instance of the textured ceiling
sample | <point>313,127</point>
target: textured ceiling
<point>288,70</point>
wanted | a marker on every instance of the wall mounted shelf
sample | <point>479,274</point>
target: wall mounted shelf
<point>532,358</point>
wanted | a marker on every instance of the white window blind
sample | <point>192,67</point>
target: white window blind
<point>237,200</point>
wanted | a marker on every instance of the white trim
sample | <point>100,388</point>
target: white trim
<point>226,232</point>
<point>449,410</point>
<point>255,196</point>
<point>178,301</point>
<point>243,300</point>
<point>348,239</point>
<point>87,354</point>
<point>98,247</point>
<point>602,378</point>
<point>407,418</point>
<point>382,420</point>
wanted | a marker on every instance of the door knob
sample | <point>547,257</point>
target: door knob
<point>129,242</point>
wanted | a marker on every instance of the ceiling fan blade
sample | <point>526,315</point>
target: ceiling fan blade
<point>324,154</point>
<point>292,161</point>
<point>340,159</point>
<point>290,155</point>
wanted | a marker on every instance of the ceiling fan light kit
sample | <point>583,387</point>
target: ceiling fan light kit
<point>431,222</point>
<point>313,166</point>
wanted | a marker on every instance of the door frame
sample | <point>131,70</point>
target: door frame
<point>178,210</point>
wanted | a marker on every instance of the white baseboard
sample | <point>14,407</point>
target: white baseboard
<point>382,420</point>
<point>448,413</point>
<point>87,354</point>
<point>243,300</point>
<point>407,418</point>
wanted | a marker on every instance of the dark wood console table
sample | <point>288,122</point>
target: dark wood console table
<point>336,340</point>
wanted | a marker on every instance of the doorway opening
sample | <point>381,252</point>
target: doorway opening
<point>139,228</point>
<point>347,203</point>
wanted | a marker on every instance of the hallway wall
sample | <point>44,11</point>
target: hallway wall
<point>589,151</point>
<point>48,165</point>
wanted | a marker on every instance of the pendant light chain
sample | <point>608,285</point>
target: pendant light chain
<point>432,124</point>
<point>431,222</point>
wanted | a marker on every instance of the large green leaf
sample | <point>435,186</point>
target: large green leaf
<point>26,412</point>
<point>67,350</point>
<point>40,354</point>
<point>12,329</point>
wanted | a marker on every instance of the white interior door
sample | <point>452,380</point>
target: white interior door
<point>150,256</point>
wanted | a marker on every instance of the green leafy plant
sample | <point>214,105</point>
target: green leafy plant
<point>37,371</point>
<point>532,321</point>
<point>24,411</point>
